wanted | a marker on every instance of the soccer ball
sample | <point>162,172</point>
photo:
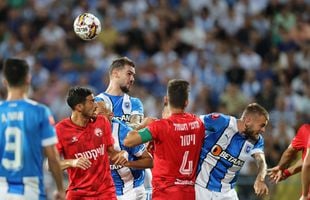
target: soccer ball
<point>87,26</point>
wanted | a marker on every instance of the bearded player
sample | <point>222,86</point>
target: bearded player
<point>228,143</point>
<point>125,108</point>
<point>86,143</point>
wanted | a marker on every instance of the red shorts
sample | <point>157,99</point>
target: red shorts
<point>177,192</point>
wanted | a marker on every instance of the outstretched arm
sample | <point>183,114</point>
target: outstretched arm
<point>276,173</point>
<point>260,186</point>
<point>143,161</point>
<point>287,157</point>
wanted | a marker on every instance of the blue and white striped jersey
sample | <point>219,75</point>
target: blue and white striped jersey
<point>25,128</point>
<point>125,178</point>
<point>224,152</point>
<point>123,106</point>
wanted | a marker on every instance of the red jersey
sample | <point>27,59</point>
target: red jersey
<point>300,141</point>
<point>91,142</point>
<point>178,141</point>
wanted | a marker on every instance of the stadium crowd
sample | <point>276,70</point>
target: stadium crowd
<point>232,51</point>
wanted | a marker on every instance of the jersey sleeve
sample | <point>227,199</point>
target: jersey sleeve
<point>299,140</point>
<point>47,128</point>
<point>137,107</point>
<point>214,122</point>
<point>157,129</point>
<point>137,150</point>
<point>259,146</point>
<point>59,145</point>
<point>108,139</point>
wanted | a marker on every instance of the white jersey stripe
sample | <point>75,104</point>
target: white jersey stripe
<point>31,189</point>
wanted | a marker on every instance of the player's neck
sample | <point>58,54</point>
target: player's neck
<point>78,119</point>
<point>114,90</point>
<point>176,110</point>
<point>16,94</point>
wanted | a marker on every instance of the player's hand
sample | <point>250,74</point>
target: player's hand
<point>304,198</point>
<point>82,163</point>
<point>60,195</point>
<point>121,158</point>
<point>260,188</point>
<point>146,121</point>
<point>275,174</point>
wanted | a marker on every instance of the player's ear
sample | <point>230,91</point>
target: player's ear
<point>78,107</point>
<point>186,103</point>
<point>165,100</point>
<point>115,73</point>
<point>5,82</point>
<point>28,79</point>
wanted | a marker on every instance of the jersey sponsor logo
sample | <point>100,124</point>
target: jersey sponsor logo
<point>125,118</point>
<point>98,132</point>
<point>116,167</point>
<point>183,182</point>
<point>217,150</point>
<point>91,154</point>
<point>74,139</point>
<point>215,115</point>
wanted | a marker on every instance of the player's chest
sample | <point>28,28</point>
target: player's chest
<point>92,136</point>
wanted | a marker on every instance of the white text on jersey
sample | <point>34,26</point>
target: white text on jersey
<point>93,153</point>
<point>12,116</point>
<point>187,140</point>
<point>186,126</point>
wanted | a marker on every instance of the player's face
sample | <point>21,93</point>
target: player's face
<point>255,126</point>
<point>126,78</point>
<point>89,107</point>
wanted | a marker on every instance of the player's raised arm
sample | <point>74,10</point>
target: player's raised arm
<point>287,157</point>
<point>260,186</point>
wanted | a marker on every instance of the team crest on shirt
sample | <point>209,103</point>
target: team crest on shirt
<point>98,132</point>
<point>126,104</point>
<point>215,115</point>
<point>247,149</point>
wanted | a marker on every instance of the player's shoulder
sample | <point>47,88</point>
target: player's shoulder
<point>216,118</point>
<point>135,100</point>
<point>63,123</point>
<point>304,129</point>
<point>101,95</point>
<point>101,119</point>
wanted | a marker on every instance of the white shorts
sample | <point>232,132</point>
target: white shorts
<point>137,193</point>
<point>205,194</point>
